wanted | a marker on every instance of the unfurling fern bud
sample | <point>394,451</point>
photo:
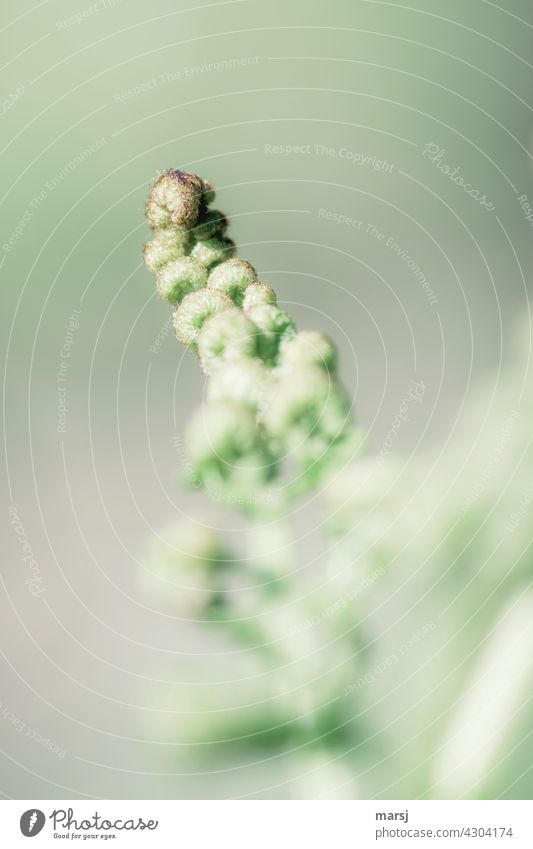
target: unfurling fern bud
<point>180,277</point>
<point>258,293</point>
<point>226,335</point>
<point>193,312</point>
<point>274,325</point>
<point>308,348</point>
<point>166,246</point>
<point>272,388</point>
<point>232,277</point>
<point>175,200</point>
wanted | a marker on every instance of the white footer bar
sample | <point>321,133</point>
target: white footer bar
<point>268,824</point>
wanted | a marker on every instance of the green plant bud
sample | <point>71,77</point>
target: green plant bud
<point>166,246</point>
<point>226,335</point>
<point>226,446</point>
<point>212,251</point>
<point>208,192</point>
<point>232,277</point>
<point>274,325</point>
<point>244,380</point>
<point>180,277</point>
<point>258,293</point>
<point>194,310</point>
<point>308,348</point>
<point>212,223</point>
<point>310,401</point>
<point>184,567</point>
<point>174,200</point>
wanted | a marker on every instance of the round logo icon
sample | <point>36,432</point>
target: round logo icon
<point>32,822</point>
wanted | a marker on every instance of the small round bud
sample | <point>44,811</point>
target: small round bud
<point>166,246</point>
<point>258,293</point>
<point>232,277</point>
<point>208,193</point>
<point>274,324</point>
<point>244,380</point>
<point>185,567</point>
<point>224,336</point>
<point>213,223</point>
<point>225,444</point>
<point>174,200</point>
<point>308,348</point>
<point>212,251</point>
<point>194,310</point>
<point>309,400</point>
<point>180,277</point>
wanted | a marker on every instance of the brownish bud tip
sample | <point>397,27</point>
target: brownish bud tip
<point>175,200</point>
